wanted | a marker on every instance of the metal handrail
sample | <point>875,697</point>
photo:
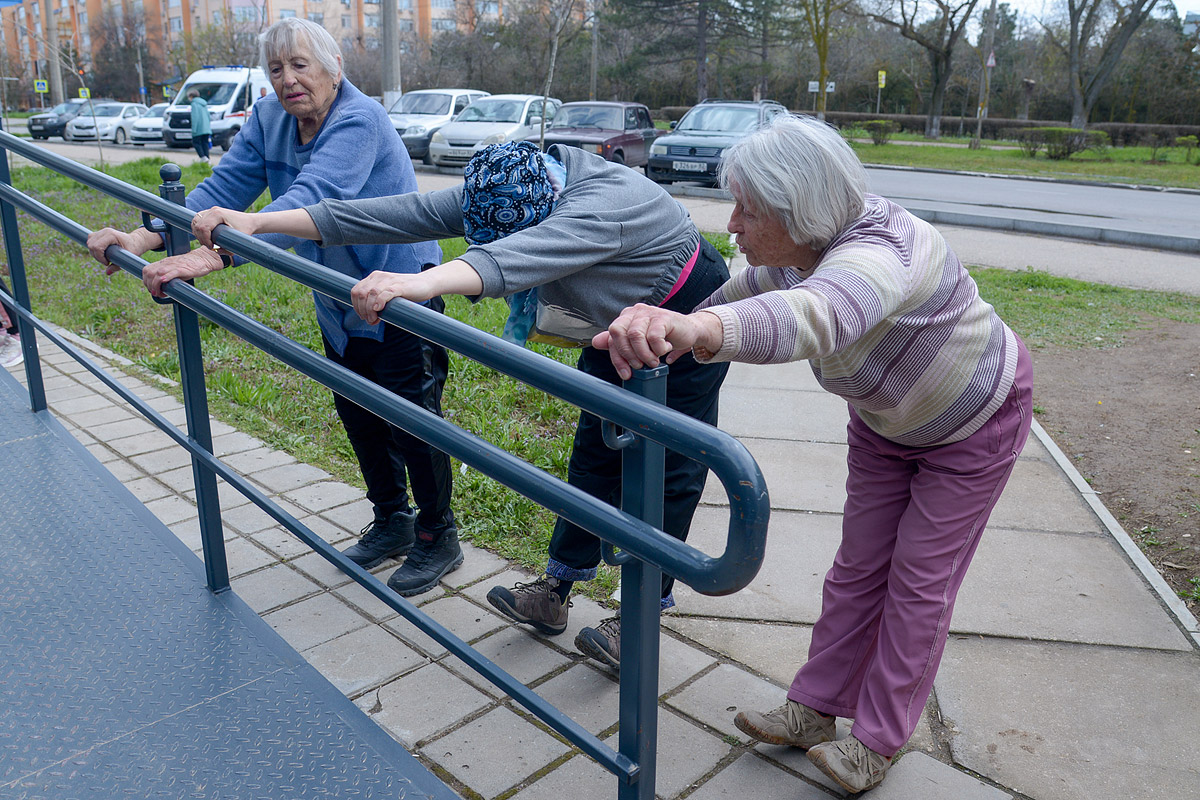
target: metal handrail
<point>728,459</point>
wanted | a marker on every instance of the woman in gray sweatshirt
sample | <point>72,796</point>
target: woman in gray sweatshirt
<point>572,240</point>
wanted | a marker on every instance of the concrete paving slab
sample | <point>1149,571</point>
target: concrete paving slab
<point>334,534</point>
<point>800,549</point>
<point>159,459</point>
<point>148,443</point>
<point>273,587</point>
<point>363,659</point>
<point>289,476</point>
<point>171,509</point>
<point>422,703</point>
<point>243,556</point>
<point>517,653</point>
<point>353,516</point>
<point>315,620</point>
<point>281,542</point>
<point>805,416</point>
<point>464,619</point>
<point>580,778</point>
<point>717,697</point>
<point>751,776</point>
<point>774,650</point>
<point>589,696</point>
<point>100,416</point>
<point>121,469</point>
<point>323,495</point>
<point>180,480</point>
<point>477,565</point>
<point>130,426</point>
<point>917,775</point>
<point>248,462</point>
<point>102,454</point>
<point>316,567</point>
<point>495,752</point>
<point>686,752</point>
<point>366,603</point>
<point>188,532</point>
<point>248,518</point>
<point>1074,722</point>
<point>678,662</point>
<point>146,489</point>
<point>1065,587</point>
<point>1039,497</point>
<point>794,375</point>
<point>225,444</point>
<point>821,487</point>
<point>77,405</point>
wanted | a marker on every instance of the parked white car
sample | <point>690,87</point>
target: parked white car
<point>418,115</point>
<point>489,120</point>
<point>148,128</point>
<point>111,121</point>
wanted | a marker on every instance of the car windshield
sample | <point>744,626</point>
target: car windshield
<point>156,111</point>
<point>423,104</point>
<point>588,117</point>
<point>107,110</point>
<point>62,108</point>
<point>492,111</point>
<point>719,118</point>
<point>214,94</point>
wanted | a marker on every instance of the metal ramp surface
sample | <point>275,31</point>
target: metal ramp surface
<point>121,675</point>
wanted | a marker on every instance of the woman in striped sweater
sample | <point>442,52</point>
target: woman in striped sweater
<point>939,393</point>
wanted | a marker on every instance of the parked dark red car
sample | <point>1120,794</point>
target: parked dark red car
<point>619,132</point>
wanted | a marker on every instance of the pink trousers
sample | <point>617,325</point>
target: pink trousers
<point>913,519</point>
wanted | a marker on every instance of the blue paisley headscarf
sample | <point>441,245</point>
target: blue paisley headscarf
<point>508,187</point>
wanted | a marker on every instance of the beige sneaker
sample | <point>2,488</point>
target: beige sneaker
<point>854,766</point>
<point>792,724</point>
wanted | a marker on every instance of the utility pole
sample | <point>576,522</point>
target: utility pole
<point>595,47</point>
<point>390,43</point>
<point>52,55</point>
<point>142,90</point>
<point>985,81</point>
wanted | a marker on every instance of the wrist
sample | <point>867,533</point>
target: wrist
<point>711,332</point>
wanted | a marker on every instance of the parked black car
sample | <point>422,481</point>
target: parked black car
<point>54,122</point>
<point>692,150</point>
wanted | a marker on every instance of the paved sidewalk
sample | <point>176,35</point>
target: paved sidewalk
<point>1062,638</point>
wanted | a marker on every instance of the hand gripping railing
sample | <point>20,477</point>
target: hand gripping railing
<point>727,458</point>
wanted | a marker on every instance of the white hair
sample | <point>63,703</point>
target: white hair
<point>800,171</point>
<point>293,36</point>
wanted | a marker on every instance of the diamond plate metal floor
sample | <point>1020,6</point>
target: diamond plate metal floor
<point>122,676</point>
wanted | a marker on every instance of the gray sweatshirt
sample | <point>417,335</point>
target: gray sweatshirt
<point>613,239</point>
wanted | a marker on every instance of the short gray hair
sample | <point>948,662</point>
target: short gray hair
<point>293,35</point>
<point>801,172</point>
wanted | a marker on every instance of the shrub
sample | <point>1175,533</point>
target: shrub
<point>1157,139</point>
<point>1062,143</point>
<point>1189,143</point>
<point>881,130</point>
<point>1030,140</point>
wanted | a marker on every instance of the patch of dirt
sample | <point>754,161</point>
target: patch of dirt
<point>1128,417</point>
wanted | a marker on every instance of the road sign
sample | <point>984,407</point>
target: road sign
<point>829,87</point>
<point>85,92</point>
<point>991,62</point>
<point>40,86</point>
<point>882,78</point>
<point>141,90</point>
<point>814,86</point>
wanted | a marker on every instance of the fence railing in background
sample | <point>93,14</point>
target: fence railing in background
<point>649,427</point>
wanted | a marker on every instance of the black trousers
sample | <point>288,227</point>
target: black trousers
<point>202,144</point>
<point>692,389</point>
<point>414,369</point>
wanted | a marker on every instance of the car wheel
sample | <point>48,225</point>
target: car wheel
<point>427,160</point>
<point>618,157</point>
<point>227,142</point>
<point>657,177</point>
<point>119,136</point>
<point>66,136</point>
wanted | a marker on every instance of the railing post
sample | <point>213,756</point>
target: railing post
<point>20,287</point>
<point>195,401</point>
<point>642,470</point>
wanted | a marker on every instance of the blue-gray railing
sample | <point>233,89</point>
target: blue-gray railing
<point>649,427</point>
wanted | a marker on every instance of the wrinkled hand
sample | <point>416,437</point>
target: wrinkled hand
<point>643,335</point>
<point>136,242</point>
<point>204,222</point>
<point>372,293</point>
<point>194,264</point>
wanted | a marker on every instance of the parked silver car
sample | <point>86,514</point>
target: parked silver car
<point>489,120</point>
<point>111,121</point>
<point>148,128</point>
<point>419,114</point>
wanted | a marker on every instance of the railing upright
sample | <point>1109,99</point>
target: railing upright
<point>20,287</point>
<point>643,468</point>
<point>195,398</point>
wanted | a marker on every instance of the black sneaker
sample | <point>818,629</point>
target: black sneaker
<point>602,642</point>
<point>384,539</point>
<point>430,559</point>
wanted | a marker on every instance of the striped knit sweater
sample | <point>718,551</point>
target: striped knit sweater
<point>889,320</point>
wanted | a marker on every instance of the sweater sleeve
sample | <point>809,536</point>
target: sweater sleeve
<point>338,168</point>
<point>405,218</point>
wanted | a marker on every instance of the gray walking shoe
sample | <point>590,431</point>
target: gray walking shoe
<point>602,642</point>
<point>854,766</point>
<point>535,604</point>
<point>793,724</point>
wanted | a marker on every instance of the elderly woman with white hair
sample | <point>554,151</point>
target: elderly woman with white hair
<point>321,138</point>
<point>939,394</point>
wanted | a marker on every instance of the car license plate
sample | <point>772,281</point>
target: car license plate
<point>35,126</point>
<point>458,152</point>
<point>689,166</point>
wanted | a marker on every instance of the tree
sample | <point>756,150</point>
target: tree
<point>819,15</point>
<point>938,34</point>
<point>682,28</point>
<point>1093,42</point>
<point>121,54</point>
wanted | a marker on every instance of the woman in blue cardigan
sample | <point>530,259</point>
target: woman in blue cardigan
<point>319,138</point>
